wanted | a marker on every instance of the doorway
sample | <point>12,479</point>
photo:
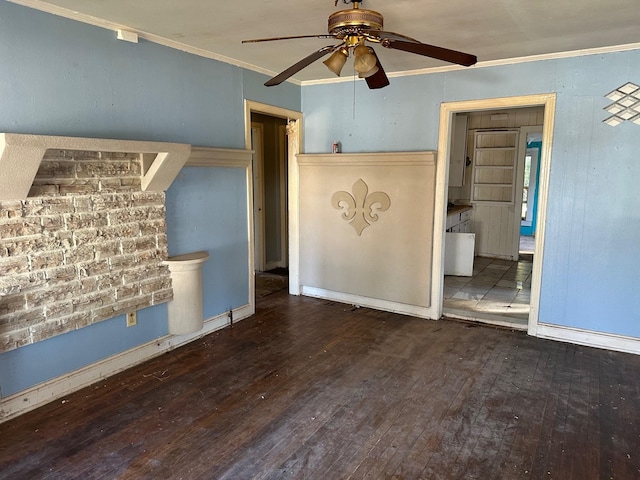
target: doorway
<point>269,165</point>
<point>496,269</point>
<point>273,135</point>
<point>487,277</point>
<point>532,149</point>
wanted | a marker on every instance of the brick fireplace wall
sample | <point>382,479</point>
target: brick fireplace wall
<point>86,245</point>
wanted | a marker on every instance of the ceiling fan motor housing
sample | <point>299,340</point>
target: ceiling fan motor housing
<point>345,21</point>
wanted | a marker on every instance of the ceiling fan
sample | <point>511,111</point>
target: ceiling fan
<point>354,27</point>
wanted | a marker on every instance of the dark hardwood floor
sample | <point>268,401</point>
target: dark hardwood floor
<point>312,389</point>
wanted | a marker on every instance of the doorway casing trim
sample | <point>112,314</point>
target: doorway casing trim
<point>447,111</point>
<point>294,139</point>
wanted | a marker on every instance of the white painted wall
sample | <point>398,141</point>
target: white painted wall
<point>390,260</point>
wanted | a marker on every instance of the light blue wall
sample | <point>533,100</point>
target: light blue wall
<point>592,252</point>
<point>60,77</point>
<point>195,223</point>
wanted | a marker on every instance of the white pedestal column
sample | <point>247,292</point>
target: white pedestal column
<point>185,310</point>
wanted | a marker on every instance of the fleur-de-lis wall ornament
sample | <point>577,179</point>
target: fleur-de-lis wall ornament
<point>361,208</point>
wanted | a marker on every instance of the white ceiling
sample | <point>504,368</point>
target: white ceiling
<point>491,29</point>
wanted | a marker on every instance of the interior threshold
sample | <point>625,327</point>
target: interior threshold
<point>487,318</point>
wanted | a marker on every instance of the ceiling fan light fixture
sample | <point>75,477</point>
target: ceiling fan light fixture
<point>365,60</point>
<point>337,60</point>
<point>368,74</point>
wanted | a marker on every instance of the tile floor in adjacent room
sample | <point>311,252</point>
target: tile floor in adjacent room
<point>499,292</point>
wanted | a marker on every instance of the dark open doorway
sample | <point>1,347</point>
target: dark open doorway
<point>270,191</point>
<point>269,143</point>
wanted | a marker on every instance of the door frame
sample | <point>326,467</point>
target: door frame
<point>282,155</point>
<point>294,144</point>
<point>447,111</point>
<point>257,172</point>
<point>532,196</point>
<point>522,152</point>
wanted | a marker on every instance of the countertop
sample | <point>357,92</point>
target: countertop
<point>452,210</point>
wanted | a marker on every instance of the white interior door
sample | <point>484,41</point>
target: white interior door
<point>257,145</point>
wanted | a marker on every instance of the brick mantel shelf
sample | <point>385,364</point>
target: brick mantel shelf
<point>21,155</point>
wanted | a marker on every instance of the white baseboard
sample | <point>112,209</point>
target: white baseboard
<point>589,338</point>
<point>375,303</point>
<point>51,390</point>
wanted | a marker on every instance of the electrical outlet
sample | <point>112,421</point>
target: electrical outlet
<point>131,319</point>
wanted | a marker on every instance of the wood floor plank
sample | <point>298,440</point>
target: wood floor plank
<point>517,451</point>
<point>459,428</point>
<point>314,389</point>
<point>453,384</point>
<point>337,394</point>
<point>405,400</point>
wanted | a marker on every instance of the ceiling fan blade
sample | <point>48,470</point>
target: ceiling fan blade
<point>256,40</point>
<point>378,79</point>
<point>380,35</point>
<point>432,51</point>
<point>306,61</point>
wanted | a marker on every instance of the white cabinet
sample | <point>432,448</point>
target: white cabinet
<point>459,253</point>
<point>459,244</point>
<point>460,221</point>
